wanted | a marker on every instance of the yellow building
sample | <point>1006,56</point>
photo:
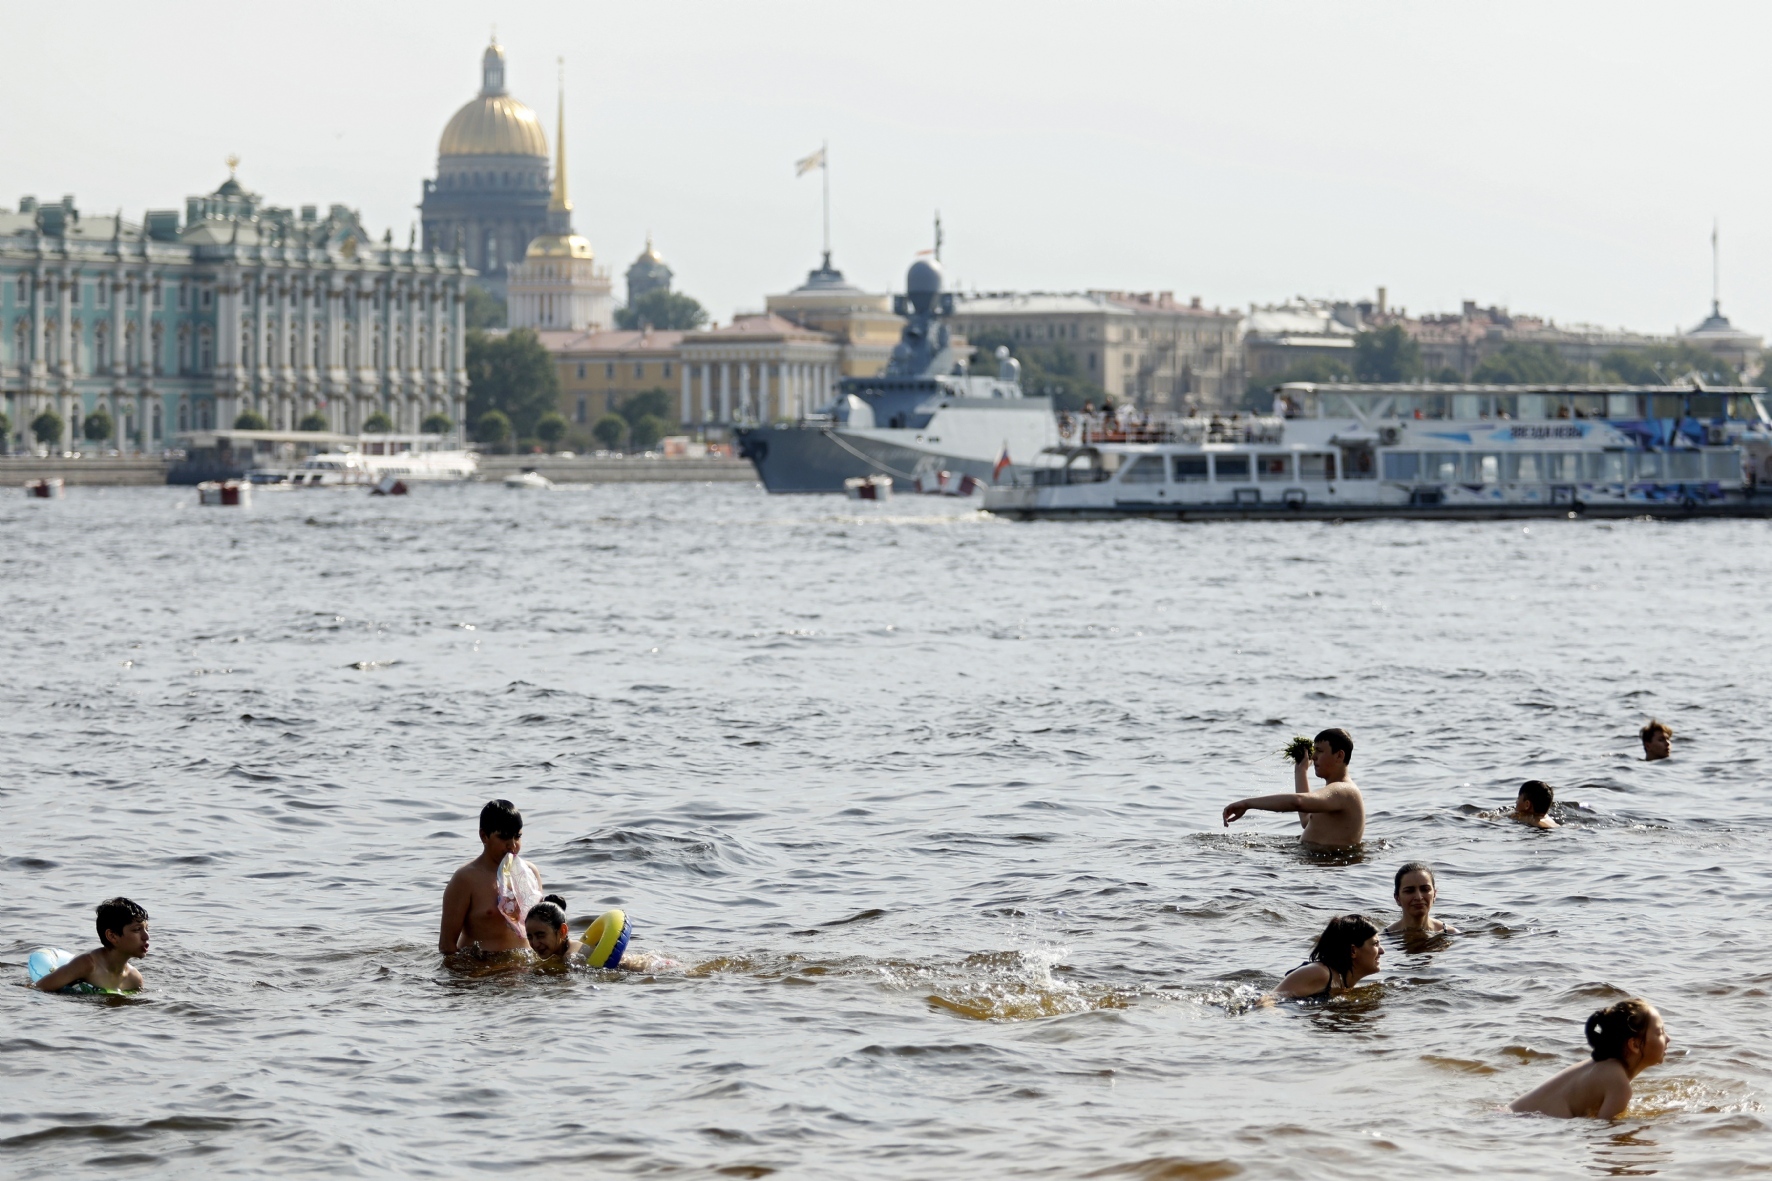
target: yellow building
<point>862,324</point>
<point>600,369</point>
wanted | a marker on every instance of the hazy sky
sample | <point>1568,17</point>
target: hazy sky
<point>1561,158</point>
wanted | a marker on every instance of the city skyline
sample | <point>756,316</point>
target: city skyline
<point>1245,157</point>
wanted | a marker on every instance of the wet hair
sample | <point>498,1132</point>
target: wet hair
<point>1335,947</point>
<point>1538,793</point>
<point>550,910</point>
<point>1410,867</point>
<point>1653,727</point>
<point>116,913</point>
<point>1338,741</point>
<point>501,819</point>
<point>1610,1028</point>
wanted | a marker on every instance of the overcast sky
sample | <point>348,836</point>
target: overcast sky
<point>1559,158</point>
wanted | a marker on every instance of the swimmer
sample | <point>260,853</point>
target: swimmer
<point>1416,893</point>
<point>1627,1038</point>
<point>1658,741</point>
<point>122,936</point>
<point>472,919</point>
<point>1333,818</point>
<point>1533,805</point>
<point>551,939</point>
<point>1346,953</point>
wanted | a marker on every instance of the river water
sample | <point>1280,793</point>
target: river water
<point>925,804</point>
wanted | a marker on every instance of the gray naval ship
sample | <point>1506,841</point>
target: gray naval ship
<point>924,415</point>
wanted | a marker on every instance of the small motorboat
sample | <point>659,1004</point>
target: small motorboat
<point>49,489</point>
<point>230,493</point>
<point>868,487</point>
<point>528,478</point>
<point>389,486</point>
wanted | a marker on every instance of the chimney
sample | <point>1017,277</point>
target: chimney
<point>1381,301</point>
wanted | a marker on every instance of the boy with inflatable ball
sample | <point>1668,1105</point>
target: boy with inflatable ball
<point>122,936</point>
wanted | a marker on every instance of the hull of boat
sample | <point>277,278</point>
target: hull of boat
<point>799,458</point>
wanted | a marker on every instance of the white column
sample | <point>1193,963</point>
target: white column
<point>744,389</point>
<point>725,391</point>
<point>707,392</point>
<point>683,370</point>
<point>763,414</point>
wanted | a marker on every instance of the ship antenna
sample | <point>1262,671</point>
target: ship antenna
<point>1716,298</point>
<point>824,167</point>
<point>938,235</point>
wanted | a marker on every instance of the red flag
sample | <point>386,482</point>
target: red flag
<point>1002,462</point>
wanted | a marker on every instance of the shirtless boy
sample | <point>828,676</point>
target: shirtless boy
<point>122,936</point>
<point>471,918</point>
<point>1333,817</point>
<point>1532,806</point>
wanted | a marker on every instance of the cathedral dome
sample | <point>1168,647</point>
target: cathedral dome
<point>493,123</point>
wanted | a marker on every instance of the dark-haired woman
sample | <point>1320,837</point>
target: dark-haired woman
<point>1416,893</point>
<point>1346,953</point>
<point>1626,1038</point>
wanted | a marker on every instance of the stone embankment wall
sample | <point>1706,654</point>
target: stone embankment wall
<point>140,469</point>
<point>586,469</point>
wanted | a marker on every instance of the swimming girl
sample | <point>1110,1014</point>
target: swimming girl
<point>1532,806</point>
<point>1627,1038</point>
<point>1416,893</point>
<point>1346,953</point>
<point>605,942</point>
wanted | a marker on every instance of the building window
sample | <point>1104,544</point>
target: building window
<point>609,371</point>
<point>24,289</point>
<point>667,369</point>
<point>208,297</point>
<point>184,298</point>
<point>1126,360</point>
<point>74,296</point>
<point>1092,360</point>
<point>581,377</point>
<point>104,293</point>
<point>583,411</point>
<point>639,369</point>
<point>156,295</point>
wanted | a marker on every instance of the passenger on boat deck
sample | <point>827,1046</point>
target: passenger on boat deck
<point>1416,892</point>
<point>1533,805</point>
<point>472,919</point>
<point>1335,816</point>
<point>1627,1038</point>
<point>1346,952</point>
<point>1658,741</point>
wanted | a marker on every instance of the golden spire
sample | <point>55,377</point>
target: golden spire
<point>561,203</point>
<point>233,163</point>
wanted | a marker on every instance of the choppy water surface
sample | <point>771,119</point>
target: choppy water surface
<point>925,803</point>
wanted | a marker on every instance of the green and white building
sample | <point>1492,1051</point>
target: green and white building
<point>177,325</point>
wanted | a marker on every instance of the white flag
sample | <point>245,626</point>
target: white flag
<point>807,163</point>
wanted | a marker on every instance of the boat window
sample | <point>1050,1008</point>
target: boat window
<point>1523,467</point>
<point>1442,467</point>
<point>1648,465</point>
<point>1273,467</point>
<point>1358,463</point>
<point>1190,469</point>
<point>1316,465</point>
<point>1722,465</point>
<point>1479,468</point>
<point>1231,467</point>
<point>1401,465</point>
<point>1605,467</point>
<point>1685,465</point>
<point>1562,467</point>
<point>1146,469</point>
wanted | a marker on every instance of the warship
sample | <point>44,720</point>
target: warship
<point>927,414</point>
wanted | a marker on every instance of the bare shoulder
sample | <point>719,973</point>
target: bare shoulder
<point>1306,980</point>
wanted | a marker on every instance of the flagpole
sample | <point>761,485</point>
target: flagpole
<point>824,166</point>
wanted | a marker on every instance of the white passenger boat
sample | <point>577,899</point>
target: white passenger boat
<point>313,459</point>
<point>1429,451</point>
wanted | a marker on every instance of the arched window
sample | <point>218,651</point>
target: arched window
<point>205,352</point>
<point>159,355</point>
<point>184,350</point>
<point>184,415</point>
<point>24,289</point>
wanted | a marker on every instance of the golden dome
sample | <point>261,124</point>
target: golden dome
<point>494,126</point>
<point>493,123</point>
<point>558,246</point>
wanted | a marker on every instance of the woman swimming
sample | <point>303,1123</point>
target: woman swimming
<point>1627,1038</point>
<point>605,942</point>
<point>1416,893</point>
<point>1346,953</point>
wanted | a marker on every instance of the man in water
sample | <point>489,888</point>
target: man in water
<point>471,917</point>
<point>1335,816</point>
<point>1532,806</point>
<point>1658,741</point>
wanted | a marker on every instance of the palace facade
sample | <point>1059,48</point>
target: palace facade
<point>177,326</point>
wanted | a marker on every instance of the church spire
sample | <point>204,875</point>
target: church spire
<point>561,202</point>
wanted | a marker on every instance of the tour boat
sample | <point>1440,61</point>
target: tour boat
<point>1423,451</point>
<point>528,478</point>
